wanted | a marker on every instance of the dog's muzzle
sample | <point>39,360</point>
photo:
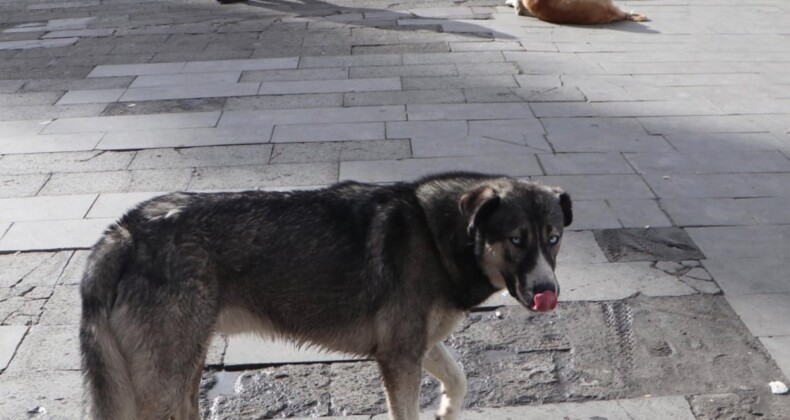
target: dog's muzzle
<point>544,300</point>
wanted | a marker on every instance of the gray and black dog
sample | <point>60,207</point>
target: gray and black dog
<point>382,271</point>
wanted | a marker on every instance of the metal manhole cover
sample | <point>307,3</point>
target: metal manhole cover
<point>654,244</point>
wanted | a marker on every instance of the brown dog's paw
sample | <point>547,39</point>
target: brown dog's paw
<point>636,17</point>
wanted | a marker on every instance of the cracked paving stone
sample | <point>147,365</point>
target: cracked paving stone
<point>27,280</point>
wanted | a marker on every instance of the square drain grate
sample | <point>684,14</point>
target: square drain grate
<point>654,244</point>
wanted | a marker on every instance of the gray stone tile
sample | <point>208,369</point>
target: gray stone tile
<point>184,137</point>
<point>403,71</point>
<point>469,112</point>
<point>443,96</point>
<point>724,141</point>
<point>214,90</point>
<point>327,132</point>
<point>589,187</point>
<point>61,309</point>
<point>583,130</point>
<point>281,175</point>
<point>136,69</point>
<point>710,162</point>
<point>118,181</point>
<point>491,95</point>
<point>114,205</point>
<point>10,86</point>
<point>197,157</point>
<point>742,241</point>
<point>37,43</point>
<point>47,112</point>
<point>584,164</point>
<point>22,128</point>
<point>56,234</point>
<point>340,151</point>
<point>497,45</point>
<point>52,25</point>
<point>777,348</point>
<point>252,350</point>
<point>720,185</point>
<point>16,186</point>
<point>80,33</point>
<point>410,169</point>
<point>329,86</point>
<point>727,211</point>
<point>64,162</point>
<point>72,274</point>
<point>639,213</point>
<point>615,281</point>
<point>334,73</point>
<point>164,107</point>
<point>351,60</point>
<point>579,247</point>
<point>190,79</point>
<point>743,276</point>
<point>43,85</point>
<point>50,143</point>
<point>700,124</point>
<point>91,96</point>
<point>48,348</point>
<point>628,109</point>
<point>528,132</point>
<point>45,208</point>
<point>243,65</point>
<point>435,146</point>
<point>481,69</point>
<point>59,392</point>
<point>133,122</point>
<point>593,214</point>
<point>455,57</point>
<point>458,82</point>
<point>313,115</point>
<point>312,100</point>
<point>765,315</point>
<point>28,98</point>
<point>409,129</point>
<point>10,338</point>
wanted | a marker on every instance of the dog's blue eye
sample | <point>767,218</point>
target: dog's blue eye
<point>554,240</point>
<point>515,240</point>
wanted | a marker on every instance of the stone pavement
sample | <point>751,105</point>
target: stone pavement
<point>681,124</point>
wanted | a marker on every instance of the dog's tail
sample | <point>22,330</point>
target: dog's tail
<point>108,384</point>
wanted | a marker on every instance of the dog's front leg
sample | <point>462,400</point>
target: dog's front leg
<point>439,363</point>
<point>402,382</point>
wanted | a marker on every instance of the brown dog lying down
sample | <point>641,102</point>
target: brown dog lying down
<point>583,12</point>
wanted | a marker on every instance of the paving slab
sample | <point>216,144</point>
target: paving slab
<point>742,241</point>
<point>719,185</point>
<point>710,162</point>
<point>313,115</point>
<point>407,169</point>
<point>49,143</point>
<point>340,151</point>
<point>11,338</point>
<point>48,348</point>
<point>114,205</point>
<point>214,90</point>
<point>329,86</point>
<point>221,77</point>
<point>727,211</point>
<point>777,346</point>
<point>197,157</point>
<point>44,163</point>
<point>185,137</point>
<point>57,234</point>
<point>468,112</point>
<point>593,214</point>
<point>59,393</point>
<point>45,208</point>
<point>118,181</point>
<point>764,314</point>
<point>590,187</point>
<point>62,308</point>
<point>741,276</point>
<point>133,122</point>
<point>296,133</point>
<point>584,163</point>
<point>250,177</point>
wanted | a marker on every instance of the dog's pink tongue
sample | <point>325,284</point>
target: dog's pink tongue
<point>544,301</point>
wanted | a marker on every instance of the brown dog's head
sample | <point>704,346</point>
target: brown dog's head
<point>517,229</point>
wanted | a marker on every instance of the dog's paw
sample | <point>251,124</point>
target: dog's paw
<point>448,414</point>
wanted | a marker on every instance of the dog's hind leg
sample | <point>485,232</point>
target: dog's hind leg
<point>402,383</point>
<point>439,363</point>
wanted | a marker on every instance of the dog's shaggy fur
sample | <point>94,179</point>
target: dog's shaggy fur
<point>381,271</point>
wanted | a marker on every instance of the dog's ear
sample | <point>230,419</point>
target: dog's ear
<point>478,204</point>
<point>567,208</point>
